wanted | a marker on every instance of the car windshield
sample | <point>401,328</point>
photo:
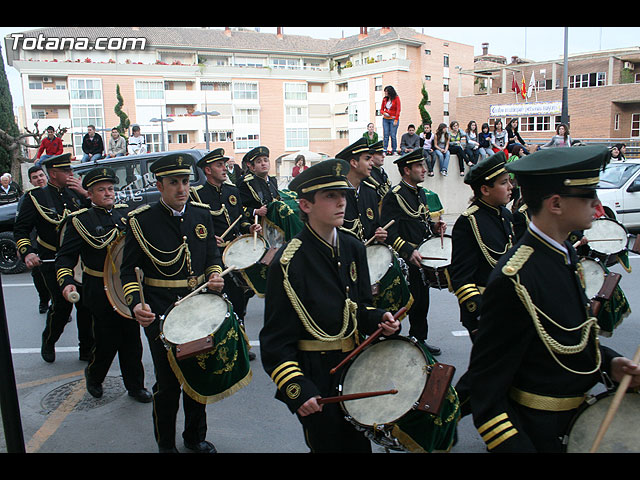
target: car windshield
<point>616,174</point>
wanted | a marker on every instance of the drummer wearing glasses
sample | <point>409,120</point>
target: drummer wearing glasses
<point>537,354</point>
<point>172,241</point>
<point>317,304</point>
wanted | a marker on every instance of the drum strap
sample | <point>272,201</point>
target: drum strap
<point>343,344</point>
<point>543,402</point>
<point>92,272</point>
<point>156,282</point>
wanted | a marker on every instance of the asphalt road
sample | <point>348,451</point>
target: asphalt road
<point>59,416</point>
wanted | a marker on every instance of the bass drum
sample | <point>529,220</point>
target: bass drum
<point>111,277</point>
<point>623,435</point>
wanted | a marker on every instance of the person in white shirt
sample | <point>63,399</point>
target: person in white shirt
<point>137,144</point>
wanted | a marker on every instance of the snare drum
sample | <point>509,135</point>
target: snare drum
<point>593,274</point>
<point>388,283</point>
<point>394,421</point>
<point>607,237</point>
<point>436,270</point>
<point>623,434</point>
<point>221,369</point>
<point>111,277</point>
<point>251,263</point>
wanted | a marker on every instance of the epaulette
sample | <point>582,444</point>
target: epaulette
<point>523,208</point>
<point>139,210</point>
<point>368,184</point>
<point>121,205</point>
<point>396,188</point>
<point>342,229</point>
<point>248,177</point>
<point>199,204</point>
<point>78,212</point>
<point>290,251</point>
<point>471,210</point>
<point>196,188</point>
<point>517,260</point>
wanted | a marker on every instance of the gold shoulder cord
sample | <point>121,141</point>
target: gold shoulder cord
<point>98,242</point>
<point>350,307</point>
<point>144,244</point>
<point>45,214</point>
<point>511,269</point>
<point>422,208</point>
<point>483,248</point>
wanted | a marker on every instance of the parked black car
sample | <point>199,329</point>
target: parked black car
<point>135,187</point>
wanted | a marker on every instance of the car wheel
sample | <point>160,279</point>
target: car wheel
<point>10,262</point>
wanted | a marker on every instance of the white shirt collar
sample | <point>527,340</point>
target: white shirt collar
<point>553,242</point>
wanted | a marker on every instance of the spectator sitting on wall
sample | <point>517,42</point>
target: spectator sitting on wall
<point>92,145</point>
<point>137,144</point>
<point>117,144</point>
<point>371,135</point>
<point>50,146</point>
<point>409,141</point>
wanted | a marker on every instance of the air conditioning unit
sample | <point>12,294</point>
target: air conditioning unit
<point>628,65</point>
<point>47,80</point>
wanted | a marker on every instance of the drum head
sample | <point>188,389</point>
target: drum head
<point>606,236</point>
<point>241,253</point>
<point>436,248</point>
<point>392,363</point>
<point>111,278</point>
<point>623,434</point>
<point>194,318</point>
<point>594,276</point>
<point>379,259</point>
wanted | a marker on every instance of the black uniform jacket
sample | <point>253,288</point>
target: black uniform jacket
<point>256,191</point>
<point>44,208</point>
<point>226,206</point>
<point>516,359</point>
<point>380,181</point>
<point>480,236</point>
<point>361,216</point>
<point>406,205</point>
<point>87,234</point>
<point>154,232</point>
<point>322,277</point>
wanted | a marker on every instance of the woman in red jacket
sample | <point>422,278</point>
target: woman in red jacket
<point>390,111</point>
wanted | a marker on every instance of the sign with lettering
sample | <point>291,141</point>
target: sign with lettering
<point>525,109</point>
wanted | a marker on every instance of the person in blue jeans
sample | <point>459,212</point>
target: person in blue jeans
<point>441,148</point>
<point>92,145</point>
<point>390,111</point>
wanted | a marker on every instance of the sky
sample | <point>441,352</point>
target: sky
<point>533,43</point>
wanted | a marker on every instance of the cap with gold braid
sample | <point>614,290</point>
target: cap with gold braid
<point>561,168</point>
<point>377,147</point>
<point>329,174</point>
<point>486,169</point>
<point>251,155</point>
<point>409,158</point>
<point>100,174</point>
<point>174,164</point>
<point>212,156</point>
<point>59,161</point>
<point>355,149</point>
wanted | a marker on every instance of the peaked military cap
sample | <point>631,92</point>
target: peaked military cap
<point>173,164</point>
<point>329,174</point>
<point>59,161</point>
<point>409,158</point>
<point>377,146</point>
<point>355,149</point>
<point>561,168</point>
<point>99,174</point>
<point>486,169</point>
<point>212,156</point>
<point>251,155</point>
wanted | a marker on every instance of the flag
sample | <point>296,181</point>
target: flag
<point>514,85</point>
<point>524,87</point>
<point>532,86</point>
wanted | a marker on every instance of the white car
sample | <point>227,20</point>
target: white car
<point>619,192</point>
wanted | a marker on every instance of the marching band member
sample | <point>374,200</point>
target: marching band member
<point>317,304</point>
<point>88,233</point>
<point>378,178</point>
<point>45,209</point>
<point>257,188</point>
<point>173,242</point>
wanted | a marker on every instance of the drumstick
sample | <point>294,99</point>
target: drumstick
<point>204,285</point>
<point>139,278</point>
<point>386,227</point>
<point>255,234</point>
<point>355,396</point>
<point>230,227</point>
<point>433,258</point>
<point>606,240</point>
<point>375,335</point>
<point>622,389</point>
<point>442,238</point>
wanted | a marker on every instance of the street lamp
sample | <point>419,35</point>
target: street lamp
<point>161,120</point>
<point>206,114</point>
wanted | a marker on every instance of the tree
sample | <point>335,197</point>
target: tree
<point>7,123</point>
<point>123,128</point>
<point>424,115</point>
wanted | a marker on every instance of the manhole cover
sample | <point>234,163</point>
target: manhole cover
<point>112,388</point>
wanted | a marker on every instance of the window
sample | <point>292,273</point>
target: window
<point>427,52</point>
<point>248,62</point>
<point>35,85</point>
<point>635,125</point>
<point>445,84</point>
<point>427,77</point>
<point>245,91</point>
<point>296,138</point>
<point>146,90</point>
<point>296,114</point>
<point>295,91</point>
<point>40,114</point>
<point>616,122</point>
<point>219,136</point>
<point>85,89</point>
<point>446,60</point>
<point>154,144</point>
<point>288,63</point>
<point>584,80</point>
<point>247,142</point>
<point>215,86</point>
<point>246,115</point>
<point>84,115</point>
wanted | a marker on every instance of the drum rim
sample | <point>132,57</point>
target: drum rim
<point>351,362</point>
<point>119,305</point>
<point>625,240</point>
<point>434,238</point>
<point>236,240</point>
<point>389,266</point>
<point>162,318</point>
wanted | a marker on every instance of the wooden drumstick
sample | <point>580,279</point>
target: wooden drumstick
<point>355,396</point>
<point>73,297</point>
<point>433,258</point>
<point>139,278</point>
<point>203,286</point>
<point>230,227</point>
<point>255,234</point>
<point>375,335</point>
<point>613,408</point>
<point>386,227</point>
